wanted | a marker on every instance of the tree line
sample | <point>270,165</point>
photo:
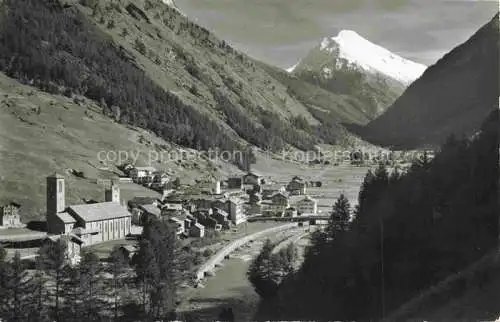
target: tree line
<point>118,289</point>
<point>408,232</point>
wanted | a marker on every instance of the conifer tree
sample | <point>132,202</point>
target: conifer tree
<point>38,310</point>
<point>118,269</point>
<point>90,286</point>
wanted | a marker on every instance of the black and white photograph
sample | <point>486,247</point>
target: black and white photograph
<point>249,160</point>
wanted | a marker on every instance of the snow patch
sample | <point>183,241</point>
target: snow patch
<point>357,50</point>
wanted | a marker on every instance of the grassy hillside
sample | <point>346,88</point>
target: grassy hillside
<point>41,133</point>
<point>372,93</point>
<point>149,66</point>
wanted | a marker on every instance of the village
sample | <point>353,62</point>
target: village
<point>219,207</point>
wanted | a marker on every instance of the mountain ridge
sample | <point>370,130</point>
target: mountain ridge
<point>453,96</point>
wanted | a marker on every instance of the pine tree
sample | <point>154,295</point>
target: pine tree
<point>54,261</point>
<point>37,297</point>
<point>261,272</point>
<point>90,286</point>
<point>118,269</point>
<point>3,282</point>
<point>147,272</point>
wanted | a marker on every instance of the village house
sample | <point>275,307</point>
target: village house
<point>291,212</point>
<point>139,173</point>
<point>297,186</point>
<point>222,218</point>
<point>253,178</point>
<point>102,221</point>
<point>179,225</point>
<point>9,216</point>
<point>128,251</point>
<point>72,243</point>
<point>307,205</point>
<point>269,190</point>
<point>235,183</point>
<point>197,230</point>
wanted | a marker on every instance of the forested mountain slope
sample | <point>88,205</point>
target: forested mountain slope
<point>149,65</point>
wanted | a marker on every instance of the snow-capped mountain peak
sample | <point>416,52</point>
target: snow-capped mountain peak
<point>352,47</point>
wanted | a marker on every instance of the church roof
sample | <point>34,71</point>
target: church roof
<point>100,211</point>
<point>66,218</point>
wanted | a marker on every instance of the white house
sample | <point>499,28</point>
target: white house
<point>98,222</point>
<point>138,173</point>
<point>307,205</point>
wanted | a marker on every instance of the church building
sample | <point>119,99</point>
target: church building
<point>93,222</point>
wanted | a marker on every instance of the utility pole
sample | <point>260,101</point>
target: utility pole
<point>382,265</point>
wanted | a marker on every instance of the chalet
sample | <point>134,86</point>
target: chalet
<point>253,178</point>
<point>9,215</point>
<point>296,186</point>
<point>235,183</point>
<point>197,230</point>
<point>128,251</point>
<point>255,199</point>
<point>280,198</point>
<point>179,225</point>
<point>291,212</point>
<point>270,189</point>
<point>307,205</point>
<point>100,221</point>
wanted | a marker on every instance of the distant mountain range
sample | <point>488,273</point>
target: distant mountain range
<point>453,96</point>
<point>352,65</point>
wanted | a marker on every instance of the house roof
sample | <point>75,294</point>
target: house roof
<point>254,174</point>
<point>100,211</point>
<point>222,212</point>
<point>66,218</point>
<point>152,209</point>
<point>129,248</point>
<point>200,226</point>
<point>306,198</point>
<point>74,238</point>
<point>56,175</point>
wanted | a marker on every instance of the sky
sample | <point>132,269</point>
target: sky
<point>281,32</point>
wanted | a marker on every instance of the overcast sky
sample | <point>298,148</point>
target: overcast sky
<point>280,32</point>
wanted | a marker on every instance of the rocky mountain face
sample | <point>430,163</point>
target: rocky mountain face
<point>148,65</point>
<point>453,96</point>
